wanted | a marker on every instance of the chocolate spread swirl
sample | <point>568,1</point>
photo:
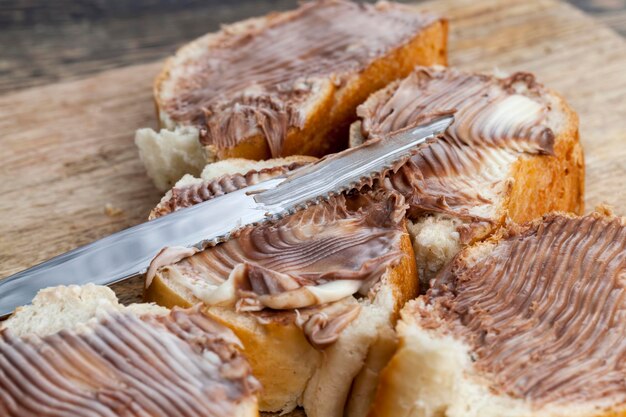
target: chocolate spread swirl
<point>465,172</point>
<point>181,364</point>
<point>316,257</point>
<point>188,195</point>
<point>544,310</point>
<point>261,79</point>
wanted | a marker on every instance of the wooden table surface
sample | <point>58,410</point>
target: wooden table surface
<point>69,170</point>
<point>48,41</point>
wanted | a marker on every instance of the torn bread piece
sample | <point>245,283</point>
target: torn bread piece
<point>511,154</point>
<point>531,323</point>
<point>284,84</point>
<point>77,352</point>
<point>313,297</point>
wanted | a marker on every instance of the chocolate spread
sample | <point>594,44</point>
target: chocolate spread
<point>544,310</point>
<point>261,78</point>
<point>316,257</point>
<point>465,172</point>
<point>188,195</point>
<point>181,364</point>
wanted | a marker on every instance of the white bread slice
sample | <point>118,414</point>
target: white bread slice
<point>86,354</point>
<point>337,380</point>
<point>293,372</point>
<point>325,107</point>
<point>523,135</point>
<point>189,188</point>
<point>527,324</point>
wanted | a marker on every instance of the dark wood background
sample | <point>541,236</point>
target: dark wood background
<point>45,41</point>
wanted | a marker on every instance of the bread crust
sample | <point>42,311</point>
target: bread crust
<point>394,384</point>
<point>352,396</point>
<point>326,127</point>
<point>284,361</point>
<point>380,352</point>
<point>404,289</point>
<point>555,183</point>
<point>396,392</point>
<point>280,356</point>
<point>538,184</point>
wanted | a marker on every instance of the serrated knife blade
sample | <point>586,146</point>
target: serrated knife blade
<point>129,252</point>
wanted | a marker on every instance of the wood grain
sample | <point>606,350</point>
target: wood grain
<point>67,149</point>
<point>49,41</point>
<point>69,170</point>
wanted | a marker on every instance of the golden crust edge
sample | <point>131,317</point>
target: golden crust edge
<point>545,183</point>
<point>405,281</point>
<point>428,47</point>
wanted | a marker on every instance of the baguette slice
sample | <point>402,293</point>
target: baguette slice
<point>284,84</point>
<point>77,352</point>
<point>512,154</point>
<point>530,323</point>
<point>323,355</point>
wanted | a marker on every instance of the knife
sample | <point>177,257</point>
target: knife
<point>128,253</point>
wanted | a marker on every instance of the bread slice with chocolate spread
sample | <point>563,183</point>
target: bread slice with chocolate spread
<point>284,84</point>
<point>224,176</point>
<point>530,323</point>
<point>313,298</point>
<point>512,154</point>
<point>77,352</point>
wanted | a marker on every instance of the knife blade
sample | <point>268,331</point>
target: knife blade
<point>128,253</point>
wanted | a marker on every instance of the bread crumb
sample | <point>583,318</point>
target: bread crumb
<point>112,211</point>
<point>605,209</point>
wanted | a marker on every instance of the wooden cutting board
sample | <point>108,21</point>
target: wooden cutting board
<point>70,173</point>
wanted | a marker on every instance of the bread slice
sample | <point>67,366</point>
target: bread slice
<point>284,84</point>
<point>224,176</point>
<point>529,323</point>
<point>325,354</point>
<point>76,352</point>
<point>512,154</point>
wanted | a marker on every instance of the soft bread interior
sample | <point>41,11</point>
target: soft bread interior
<point>241,165</point>
<point>435,241</point>
<point>67,307</point>
<point>293,373</point>
<point>169,154</point>
<point>435,238</point>
<point>430,375</point>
